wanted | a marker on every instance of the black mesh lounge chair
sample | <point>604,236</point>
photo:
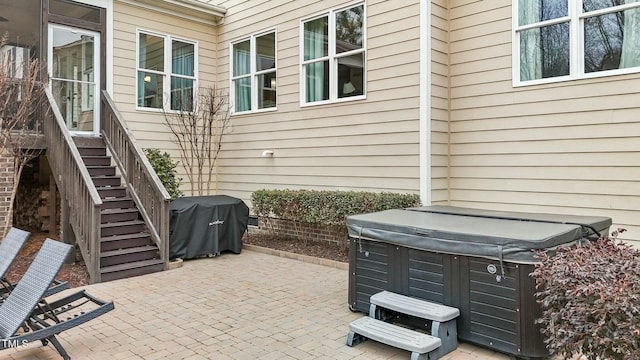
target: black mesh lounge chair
<point>45,320</point>
<point>9,249</point>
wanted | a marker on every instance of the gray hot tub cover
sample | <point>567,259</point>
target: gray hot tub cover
<point>489,234</point>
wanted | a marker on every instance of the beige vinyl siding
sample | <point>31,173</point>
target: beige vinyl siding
<point>569,147</point>
<point>149,127</point>
<point>369,144</point>
<point>439,102</point>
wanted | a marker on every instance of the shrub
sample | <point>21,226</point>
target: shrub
<point>166,170</point>
<point>325,208</point>
<point>590,297</point>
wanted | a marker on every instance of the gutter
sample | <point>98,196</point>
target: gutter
<point>193,10</point>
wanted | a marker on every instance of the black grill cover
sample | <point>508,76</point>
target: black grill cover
<point>206,225</point>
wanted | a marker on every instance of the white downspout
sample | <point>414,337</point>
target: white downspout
<point>425,102</point>
<point>109,54</point>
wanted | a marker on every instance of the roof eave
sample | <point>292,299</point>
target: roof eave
<point>189,9</point>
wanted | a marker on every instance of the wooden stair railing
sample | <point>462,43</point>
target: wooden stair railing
<point>144,186</point>
<point>75,185</point>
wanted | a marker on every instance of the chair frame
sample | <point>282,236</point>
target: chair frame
<point>25,304</point>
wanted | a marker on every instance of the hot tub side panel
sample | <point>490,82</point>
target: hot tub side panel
<point>488,304</point>
<point>429,276</point>
<point>531,311</point>
<point>368,272</point>
<point>497,313</point>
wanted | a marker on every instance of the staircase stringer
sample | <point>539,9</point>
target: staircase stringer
<point>75,186</point>
<point>142,182</point>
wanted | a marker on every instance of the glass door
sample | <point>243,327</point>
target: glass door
<point>74,69</point>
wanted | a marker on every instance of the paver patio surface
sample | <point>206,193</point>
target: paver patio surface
<point>247,306</point>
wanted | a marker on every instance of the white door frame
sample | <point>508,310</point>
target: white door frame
<point>96,71</point>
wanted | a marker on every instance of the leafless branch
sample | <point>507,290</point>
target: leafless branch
<point>22,98</point>
<point>198,133</point>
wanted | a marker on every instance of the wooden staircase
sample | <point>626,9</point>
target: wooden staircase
<point>119,219</point>
<point>126,246</point>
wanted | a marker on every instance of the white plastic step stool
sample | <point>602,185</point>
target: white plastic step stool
<point>442,317</point>
<point>422,346</point>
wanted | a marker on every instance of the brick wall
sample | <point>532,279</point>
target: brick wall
<point>304,231</point>
<point>6,185</point>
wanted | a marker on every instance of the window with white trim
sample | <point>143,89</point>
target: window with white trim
<point>570,39</point>
<point>166,70</point>
<point>253,73</point>
<point>333,56</point>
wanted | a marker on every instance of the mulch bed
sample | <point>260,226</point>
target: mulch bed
<point>76,274</point>
<point>321,249</point>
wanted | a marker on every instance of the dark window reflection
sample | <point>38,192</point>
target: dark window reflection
<point>603,42</point>
<point>555,50</point>
<point>591,5</point>
<point>74,10</point>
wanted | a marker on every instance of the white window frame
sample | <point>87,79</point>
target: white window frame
<point>575,18</point>
<point>168,72</point>
<point>333,57</point>
<point>254,74</point>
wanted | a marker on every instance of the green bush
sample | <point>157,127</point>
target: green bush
<point>325,207</point>
<point>166,170</point>
<point>590,297</point>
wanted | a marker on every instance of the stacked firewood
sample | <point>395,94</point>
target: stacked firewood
<point>32,209</point>
<point>44,212</point>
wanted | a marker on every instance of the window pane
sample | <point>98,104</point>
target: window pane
<point>242,94</point>
<point>349,24</point>
<point>151,52</point>
<point>68,49</point>
<point>71,98</point>
<point>21,25</point>
<point>75,10</point>
<point>150,90</point>
<point>182,61</point>
<point>612,41</point>
<point>181,94</point>
<point>630,54</point>
<point>266,52</point>
<point>316,38</point>
<point>241,58</point>
<point>317,76</point>
<point>591,5</point>
<point>544,52</point>
<point>533,11</point>
<point>350,75</point>
<point>267,91</point>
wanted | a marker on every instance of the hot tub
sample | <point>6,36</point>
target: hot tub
<point>476,260</point>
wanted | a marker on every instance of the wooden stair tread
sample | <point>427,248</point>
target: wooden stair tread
<point>122,223</point>
<point>131,250</point>
<point>118,211</point>
<point>131,265</point>
<point>124,236</point>
<point>117,199</point>
<point>115,187</point>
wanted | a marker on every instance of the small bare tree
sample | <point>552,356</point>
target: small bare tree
<point>198,130</point>
<point>22,95</point>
